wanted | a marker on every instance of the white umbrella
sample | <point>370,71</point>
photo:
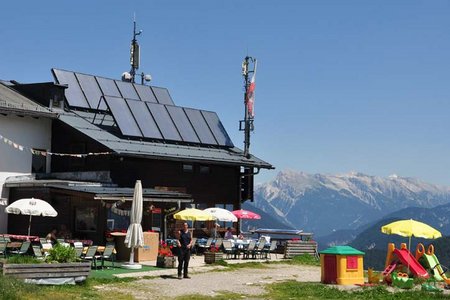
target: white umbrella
<point>31,207</point>
<point>135,236</point>
<point>221,214</point>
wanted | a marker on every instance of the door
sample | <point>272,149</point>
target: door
<point>330,269</point>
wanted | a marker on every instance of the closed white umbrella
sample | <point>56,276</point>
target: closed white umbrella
<point>222,214</point>
<point>31,207</point>
<point>135,236</point>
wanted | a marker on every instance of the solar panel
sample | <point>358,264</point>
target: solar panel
<point>162,95</point>
<point>145,93</point>
<point>92,91</point>
<point>182,123</point>
<point>108,87</point>
<point>144,119</point>
<point>217,128</point>
<point>200,126</point>
<point>127,90</point>
<point>164,122</point>
<point>123,116</point>
<point>73,93</point>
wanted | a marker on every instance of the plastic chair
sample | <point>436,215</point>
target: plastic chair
<point>260,248</point>
<point>108,254</point>
<point>90,255</point>
<point>79,251</point>
<point>207,245</point>
<point>38,252</point>
<point>23,249</point>
<point>250,249</point>
<point>272,248</point>
<point>227,248</point>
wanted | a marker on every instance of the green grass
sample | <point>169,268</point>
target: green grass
<point>305,259</point>
<point>23,259</point>
<point>12,289</point>
<point>297,290</point>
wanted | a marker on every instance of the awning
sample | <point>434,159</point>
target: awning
<point>97,191</point>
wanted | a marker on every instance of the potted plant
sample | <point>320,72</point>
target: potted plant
<point>165,257</point>
<point>213,255</point>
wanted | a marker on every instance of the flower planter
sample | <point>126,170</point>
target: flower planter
<point>166,262</point>
<point>212,257</point>
<point>47,271</point>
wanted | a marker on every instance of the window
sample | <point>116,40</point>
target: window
<point>188,168</point>
<point>39,162</point>
<point>352,262</point>
<point>86,219</point>
<point>205,170</point>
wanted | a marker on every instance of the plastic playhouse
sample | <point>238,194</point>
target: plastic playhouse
<point>342,265</point>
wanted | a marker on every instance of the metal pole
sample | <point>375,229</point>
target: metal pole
<point>246,117</point>
<point>29,226</point>
<point>133,49</point>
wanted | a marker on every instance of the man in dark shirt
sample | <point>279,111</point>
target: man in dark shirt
<point>184,244</point>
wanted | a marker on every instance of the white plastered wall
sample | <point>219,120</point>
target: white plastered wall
<point>25,131</point>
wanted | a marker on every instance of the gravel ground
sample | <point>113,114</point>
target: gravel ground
<point>210,281</point>
<point>248,281</point>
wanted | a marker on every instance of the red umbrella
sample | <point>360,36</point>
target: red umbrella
<point>246,214</point>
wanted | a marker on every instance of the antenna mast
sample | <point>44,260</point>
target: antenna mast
<point>246,125</point>
<point>134,52</point>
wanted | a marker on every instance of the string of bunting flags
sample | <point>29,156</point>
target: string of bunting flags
<point>45,153</point>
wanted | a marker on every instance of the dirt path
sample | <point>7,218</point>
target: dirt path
<point>248,281</point>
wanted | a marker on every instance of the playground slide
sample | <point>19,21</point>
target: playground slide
<point>408,259</point>
<point>435,266</point>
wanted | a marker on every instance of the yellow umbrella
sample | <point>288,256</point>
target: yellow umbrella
<point>411,228</point>
<point>193,214</point>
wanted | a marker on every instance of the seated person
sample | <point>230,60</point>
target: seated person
<point>51,236</point>
<point>64,233</point>
<point>228,234</point>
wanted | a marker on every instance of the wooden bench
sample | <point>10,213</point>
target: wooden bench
<point>36,271</point>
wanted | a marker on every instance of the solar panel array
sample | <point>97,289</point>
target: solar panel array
<point>143,111</point>
<point>144,119</point>
<point>86,91</point>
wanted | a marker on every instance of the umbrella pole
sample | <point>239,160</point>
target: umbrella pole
<point>409,249</point>
<point>29,226</point>
<point>132,256</point>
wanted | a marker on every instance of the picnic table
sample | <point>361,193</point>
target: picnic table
<point>31,238</point>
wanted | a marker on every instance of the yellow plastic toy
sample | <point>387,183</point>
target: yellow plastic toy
<point>373,277</point>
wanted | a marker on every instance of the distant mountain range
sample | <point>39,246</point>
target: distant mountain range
<point>338,207</point>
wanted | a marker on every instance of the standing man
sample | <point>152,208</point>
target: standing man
<point>184,245</point>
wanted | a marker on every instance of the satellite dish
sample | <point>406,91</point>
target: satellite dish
<point>126,76</point>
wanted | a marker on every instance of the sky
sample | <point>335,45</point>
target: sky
<point>341,86</point>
